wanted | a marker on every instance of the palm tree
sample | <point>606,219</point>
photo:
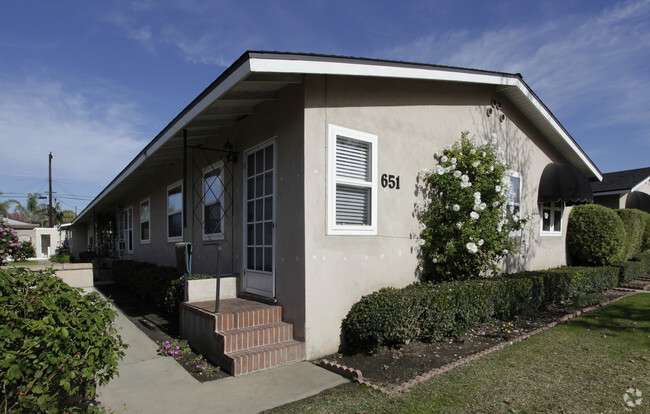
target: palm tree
<point>6,205</point>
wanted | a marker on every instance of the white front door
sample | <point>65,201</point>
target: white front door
<point>259,213</point>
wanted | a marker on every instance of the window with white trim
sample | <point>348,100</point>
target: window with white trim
<point>145,214</point>
<point>175,212</point>
<point>551,218</point>
<point>213,202</point>
<point>513,195</point>
<point>352,201</point>
<point>125,224</point>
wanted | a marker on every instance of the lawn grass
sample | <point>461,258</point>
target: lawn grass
<point>26,263</point>
<point>583,366</point>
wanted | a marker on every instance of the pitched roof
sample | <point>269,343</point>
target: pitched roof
<point>15,224</point>
<point>621,181</point>
<point>257,76</point>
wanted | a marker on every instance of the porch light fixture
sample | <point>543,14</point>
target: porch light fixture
<point>231,156</point>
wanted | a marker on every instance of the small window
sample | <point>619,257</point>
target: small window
<point>513,195</point>
<point>145,213</point>
<point>551,218</point>
<point>175,212</point>
<point>213,202</point>
<point>352,182</point>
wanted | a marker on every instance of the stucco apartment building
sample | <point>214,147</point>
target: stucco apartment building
<point>280,175</point>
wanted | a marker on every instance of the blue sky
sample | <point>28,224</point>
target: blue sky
<point>93,82</point>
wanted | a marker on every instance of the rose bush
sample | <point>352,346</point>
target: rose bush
<point>465,225</point>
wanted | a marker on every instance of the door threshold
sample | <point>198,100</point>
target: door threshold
<point>257,298</point>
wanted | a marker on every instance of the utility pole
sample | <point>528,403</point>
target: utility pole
<point>50,210</point>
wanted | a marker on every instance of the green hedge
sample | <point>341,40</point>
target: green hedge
<point>645,259</point>
<point>162,286</point>
<point>57,345</point>
<point>646,233</point>
<point>430,312</point>
<point>595,236</point>
<point>634,222</point>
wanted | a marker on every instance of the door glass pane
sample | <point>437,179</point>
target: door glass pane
<point>250,234</point>
<point>259,162</point>
<point>268,183</point>
<point>251,188</point>
<point>259,210</point>
<point>250,211</point>
<point>259,259</point>
<point>259,234</point>
<point>259,186</point>
<point>268,234</point>
<point>269,158</point>
<point>268,210</point>
<point>250,258</point>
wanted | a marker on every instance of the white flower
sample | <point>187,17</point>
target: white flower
<point>483,206</point>
<point>464,178</point>
<point>474,215</point>
<point>421,242</point>
<point>464,184</point>
<point>483,154</point>
<point>459,225</point>
<point>497,188</point>
<point>434,260</point>
<point>457,174</point>
<point>453,160</point>
<point>444,158</point>
<point>440,170</point>
<point>477,195</point>
<point>456,207</point>
<point>472,151</point>
<point>471,247</point>
<point>447,169</point>
<point>491,167</point>
<point>480,242</point>
<point>495,204</point>
<point>475,164</point>
<point>423,226</point>
<point>505,251</point>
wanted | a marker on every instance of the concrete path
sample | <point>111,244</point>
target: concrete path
<point>149,383</point>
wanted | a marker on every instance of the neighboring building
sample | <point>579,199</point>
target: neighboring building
<point>284,157</point>
<point>45,240</point>
<point>624,189</point>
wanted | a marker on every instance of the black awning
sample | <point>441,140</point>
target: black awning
<point>639,200</point>
<point>564,183</point>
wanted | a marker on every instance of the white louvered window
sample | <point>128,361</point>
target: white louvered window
<point>353,182</point>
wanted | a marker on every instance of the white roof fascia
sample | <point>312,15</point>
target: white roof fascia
<point>222,88</point>
<point>642,183</point>
<point>357,69</point>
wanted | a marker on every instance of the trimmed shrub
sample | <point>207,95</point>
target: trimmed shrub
<point>60,258</point>
<point>631,270</point>
<point>57,344</point>
<point>159,285</point>
<point>25,251</point>
<point>430,312</point>
<point>644,258</point>
<point>646,234</point>
<point>595,236</point>
<point>634,222</point>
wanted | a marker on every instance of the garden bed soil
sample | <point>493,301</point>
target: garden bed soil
<point>159,327</point>
<point>393,366</point>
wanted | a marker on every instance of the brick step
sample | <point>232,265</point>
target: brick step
<point>227,320</point>
<point>264,357</point>
<point>256,336</point>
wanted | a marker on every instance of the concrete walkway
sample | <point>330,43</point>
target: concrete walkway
<point>149,383</point>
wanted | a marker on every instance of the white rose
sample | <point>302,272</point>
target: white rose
<point>475,164</point>
<point>440,170</point>
<point>421,242</point>
<point>474,215</point>
<point>483,206</point>
<point>457,174</point>
<point>480,242</point>
<point>505,251</point>
<point>459,225</point>
<point>456,207</point>
<point>444,158</point>
<point>495,204</point>
<point>435,260</point>
<point>471,247</point>
<point>453,160</point>
<point>472,151</point>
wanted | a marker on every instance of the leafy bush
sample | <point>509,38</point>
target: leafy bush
<point>25,251</point>
<point>57,344</point>
<point>646,234</point>
<point>465,225</point>
<point>162,286</point>
<point>634,222</point>
<point>645,259</point>
<point>430,312</point>
<point>595,236</point>
<point>60,258</point>
<point>631,270</point>
<point>9,243</point>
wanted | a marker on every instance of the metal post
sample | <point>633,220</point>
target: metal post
<point>50,209</point>
<point>216,303</point>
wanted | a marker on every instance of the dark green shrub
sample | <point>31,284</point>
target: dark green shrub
<point>430,312</point>
<point>25,251</point>
<point>634,222</point>
<point>645,259</point>
<point>57,344</point>
<point>595,236</point>
<point>159,285</point>
<point>60,258</point>
<point>646,234</point>
<point>631,270</point>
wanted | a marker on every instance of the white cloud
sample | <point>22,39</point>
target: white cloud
<point>91,132</point>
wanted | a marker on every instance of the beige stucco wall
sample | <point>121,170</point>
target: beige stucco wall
<point>412,119</point>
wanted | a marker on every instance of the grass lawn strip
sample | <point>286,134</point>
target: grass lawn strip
<point>585,365</point>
